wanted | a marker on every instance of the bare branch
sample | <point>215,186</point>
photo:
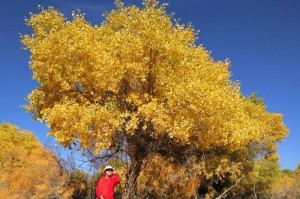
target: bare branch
<point>227,190</point>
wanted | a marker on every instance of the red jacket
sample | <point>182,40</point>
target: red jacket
<point>106,185</point>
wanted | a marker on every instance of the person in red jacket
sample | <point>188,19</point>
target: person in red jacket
<point>106,184</point>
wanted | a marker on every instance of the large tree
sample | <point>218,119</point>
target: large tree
<point>137,83</point>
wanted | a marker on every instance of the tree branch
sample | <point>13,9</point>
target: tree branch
<point>84,95</point>
<point>227,190</point>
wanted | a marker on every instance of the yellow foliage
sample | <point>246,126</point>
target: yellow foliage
<point>284,187</point>
<point>162,177</point>
<point>287,185</point>
<point>137,71</point>
<point>27,170</point>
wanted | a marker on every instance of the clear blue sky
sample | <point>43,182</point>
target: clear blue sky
<point>261,38</point>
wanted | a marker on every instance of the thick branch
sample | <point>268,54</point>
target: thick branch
<point>150,78</point>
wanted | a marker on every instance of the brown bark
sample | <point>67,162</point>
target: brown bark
<point>137,152</point>
<point>131,180</point>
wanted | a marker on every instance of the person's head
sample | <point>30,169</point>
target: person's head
<point>108,170</point>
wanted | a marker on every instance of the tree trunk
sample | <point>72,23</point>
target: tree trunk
<point>137,152</point>
<point>131,179</point>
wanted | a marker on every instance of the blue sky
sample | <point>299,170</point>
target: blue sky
<point>261,38</point>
